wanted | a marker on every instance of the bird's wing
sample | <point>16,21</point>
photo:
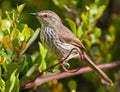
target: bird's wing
<point>67,36</point>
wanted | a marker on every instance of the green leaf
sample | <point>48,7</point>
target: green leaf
<point>85,19</point>
<point>5,26</point>
<point>43,51</point>
<point>27,64</point>
<point>1,34</point>
<point>93,39</point>
<point>72,25</point>
<point>14,33</point>
<point>9,15</point>
<point>100,11</point>
<point>80,32</point>
<point>10,84</point>
<point>26,33</point>
<point>2,83</point>
<point>16,86</point>
<point>72,85</point>
<point>9,55</point>
<point>32,39</point>
<point>20,8</point>
<point>93,10</point>
<point>60,3</point>
<point>12,67</point>
<point>43,65</point>
<point>97,32</point>
<point>38,60</point>
<point>108,37</point>
<point>101,6</point>
<point>31,70</point>
<point>28,61</point>
<point>56,2</point>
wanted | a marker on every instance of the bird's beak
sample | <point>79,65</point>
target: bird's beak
<point>39,17</point>
<point>34,14</point>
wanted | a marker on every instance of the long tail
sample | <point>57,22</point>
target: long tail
<point>104,77</point>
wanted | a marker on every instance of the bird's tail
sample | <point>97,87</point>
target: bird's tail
<point>105,78</point>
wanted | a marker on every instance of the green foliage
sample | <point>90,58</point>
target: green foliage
<point>12,84</point>
<point>18,67</point>
<point>72,85</point>
<point>13,39</point>
<point>61,3</point>
<point>43,52</point>
<point>72,25</point>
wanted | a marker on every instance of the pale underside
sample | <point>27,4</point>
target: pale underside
<point>58,46</point>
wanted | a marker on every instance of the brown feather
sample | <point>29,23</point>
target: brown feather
<point>68,37</point>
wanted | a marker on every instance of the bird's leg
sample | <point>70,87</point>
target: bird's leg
<point>70,56</point>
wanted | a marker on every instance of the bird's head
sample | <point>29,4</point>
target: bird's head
<point>48,17</point>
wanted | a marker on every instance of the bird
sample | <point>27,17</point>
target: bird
<point>59,41</point>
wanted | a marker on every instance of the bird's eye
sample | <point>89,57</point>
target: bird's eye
<point>45,15</point>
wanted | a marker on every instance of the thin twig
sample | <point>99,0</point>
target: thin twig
<point>42,80</point>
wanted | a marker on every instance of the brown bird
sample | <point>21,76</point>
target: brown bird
<point>59,40</point>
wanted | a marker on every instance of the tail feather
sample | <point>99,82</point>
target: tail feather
<point>104,77</point>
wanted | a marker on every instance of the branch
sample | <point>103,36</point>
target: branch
<point>41,80</point>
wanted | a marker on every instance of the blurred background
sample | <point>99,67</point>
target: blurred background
<point>98,27</point>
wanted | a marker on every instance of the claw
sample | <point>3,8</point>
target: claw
<point>67,65</point>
